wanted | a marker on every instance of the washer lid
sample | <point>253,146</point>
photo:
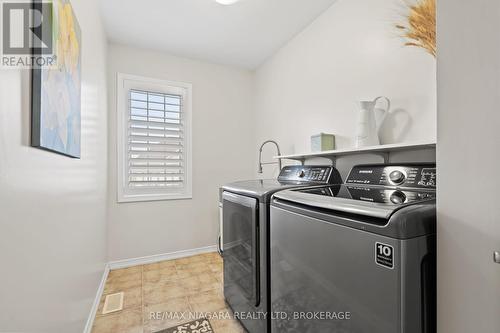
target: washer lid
<point>261,189</point>
<point>372,201</point>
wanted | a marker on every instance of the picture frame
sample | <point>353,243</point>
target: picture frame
<point>56,90</point>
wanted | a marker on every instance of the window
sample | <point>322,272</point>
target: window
<point>154,139</point>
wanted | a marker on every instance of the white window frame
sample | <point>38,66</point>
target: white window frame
<point>125,82</point>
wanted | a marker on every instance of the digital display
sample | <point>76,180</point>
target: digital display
<point>428,178</point>
<point>429,172</point>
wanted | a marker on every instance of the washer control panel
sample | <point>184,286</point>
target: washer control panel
<point>404,175</point>
<point>309,173</point>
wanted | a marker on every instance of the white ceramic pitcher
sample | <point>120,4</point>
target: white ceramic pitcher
<point>370,119</point>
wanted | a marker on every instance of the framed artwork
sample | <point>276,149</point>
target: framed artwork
<point>56,90</point>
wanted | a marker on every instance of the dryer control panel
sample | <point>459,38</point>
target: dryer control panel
<point>395,175</point>
<point>310,173</point>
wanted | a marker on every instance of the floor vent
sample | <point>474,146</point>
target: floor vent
<point>113,303</point>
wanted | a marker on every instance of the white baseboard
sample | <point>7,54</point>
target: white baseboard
<point>134,262</point>
<point>160,257</point>
<point>95,305</point>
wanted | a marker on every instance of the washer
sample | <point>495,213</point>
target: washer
<point>245,245</point>
<point>358,257</point>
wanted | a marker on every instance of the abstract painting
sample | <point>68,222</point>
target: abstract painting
<point>56,90</point>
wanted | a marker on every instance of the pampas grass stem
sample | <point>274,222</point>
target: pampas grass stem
<point>420,31</point>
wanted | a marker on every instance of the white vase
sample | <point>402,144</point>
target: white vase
<point>370,120</point>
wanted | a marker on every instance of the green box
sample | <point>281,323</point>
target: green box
<point>322,142</point>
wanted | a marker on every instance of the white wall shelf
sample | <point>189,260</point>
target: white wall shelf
<point>383,150</point>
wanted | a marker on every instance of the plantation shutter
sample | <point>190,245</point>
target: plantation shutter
<point>154,160</point>
<point>155,141</point>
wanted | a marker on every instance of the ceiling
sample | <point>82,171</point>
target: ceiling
<point>244,34</point>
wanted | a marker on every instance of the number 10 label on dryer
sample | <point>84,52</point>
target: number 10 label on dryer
<point>384,255</point>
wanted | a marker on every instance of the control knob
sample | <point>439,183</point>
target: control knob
<point>397,177</point>
<point>398,197</point>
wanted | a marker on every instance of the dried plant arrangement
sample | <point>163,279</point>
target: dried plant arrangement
<point>420,31</point>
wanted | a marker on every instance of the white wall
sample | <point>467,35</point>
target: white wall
<point>468,162</point>
<point>351,52</point>
<point>222,142</point>
<point>53,208</point>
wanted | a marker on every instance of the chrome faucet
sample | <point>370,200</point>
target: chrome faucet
<point>260,155</point>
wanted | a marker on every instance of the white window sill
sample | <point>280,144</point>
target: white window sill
<point>162,197</point>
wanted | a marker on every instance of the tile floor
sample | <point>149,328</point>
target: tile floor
<point>187,285</point>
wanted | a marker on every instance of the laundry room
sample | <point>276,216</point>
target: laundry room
<point>249,166</point>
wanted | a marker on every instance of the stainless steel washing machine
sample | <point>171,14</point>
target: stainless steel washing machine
<point>245,250</point>
<point>358,257</point>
